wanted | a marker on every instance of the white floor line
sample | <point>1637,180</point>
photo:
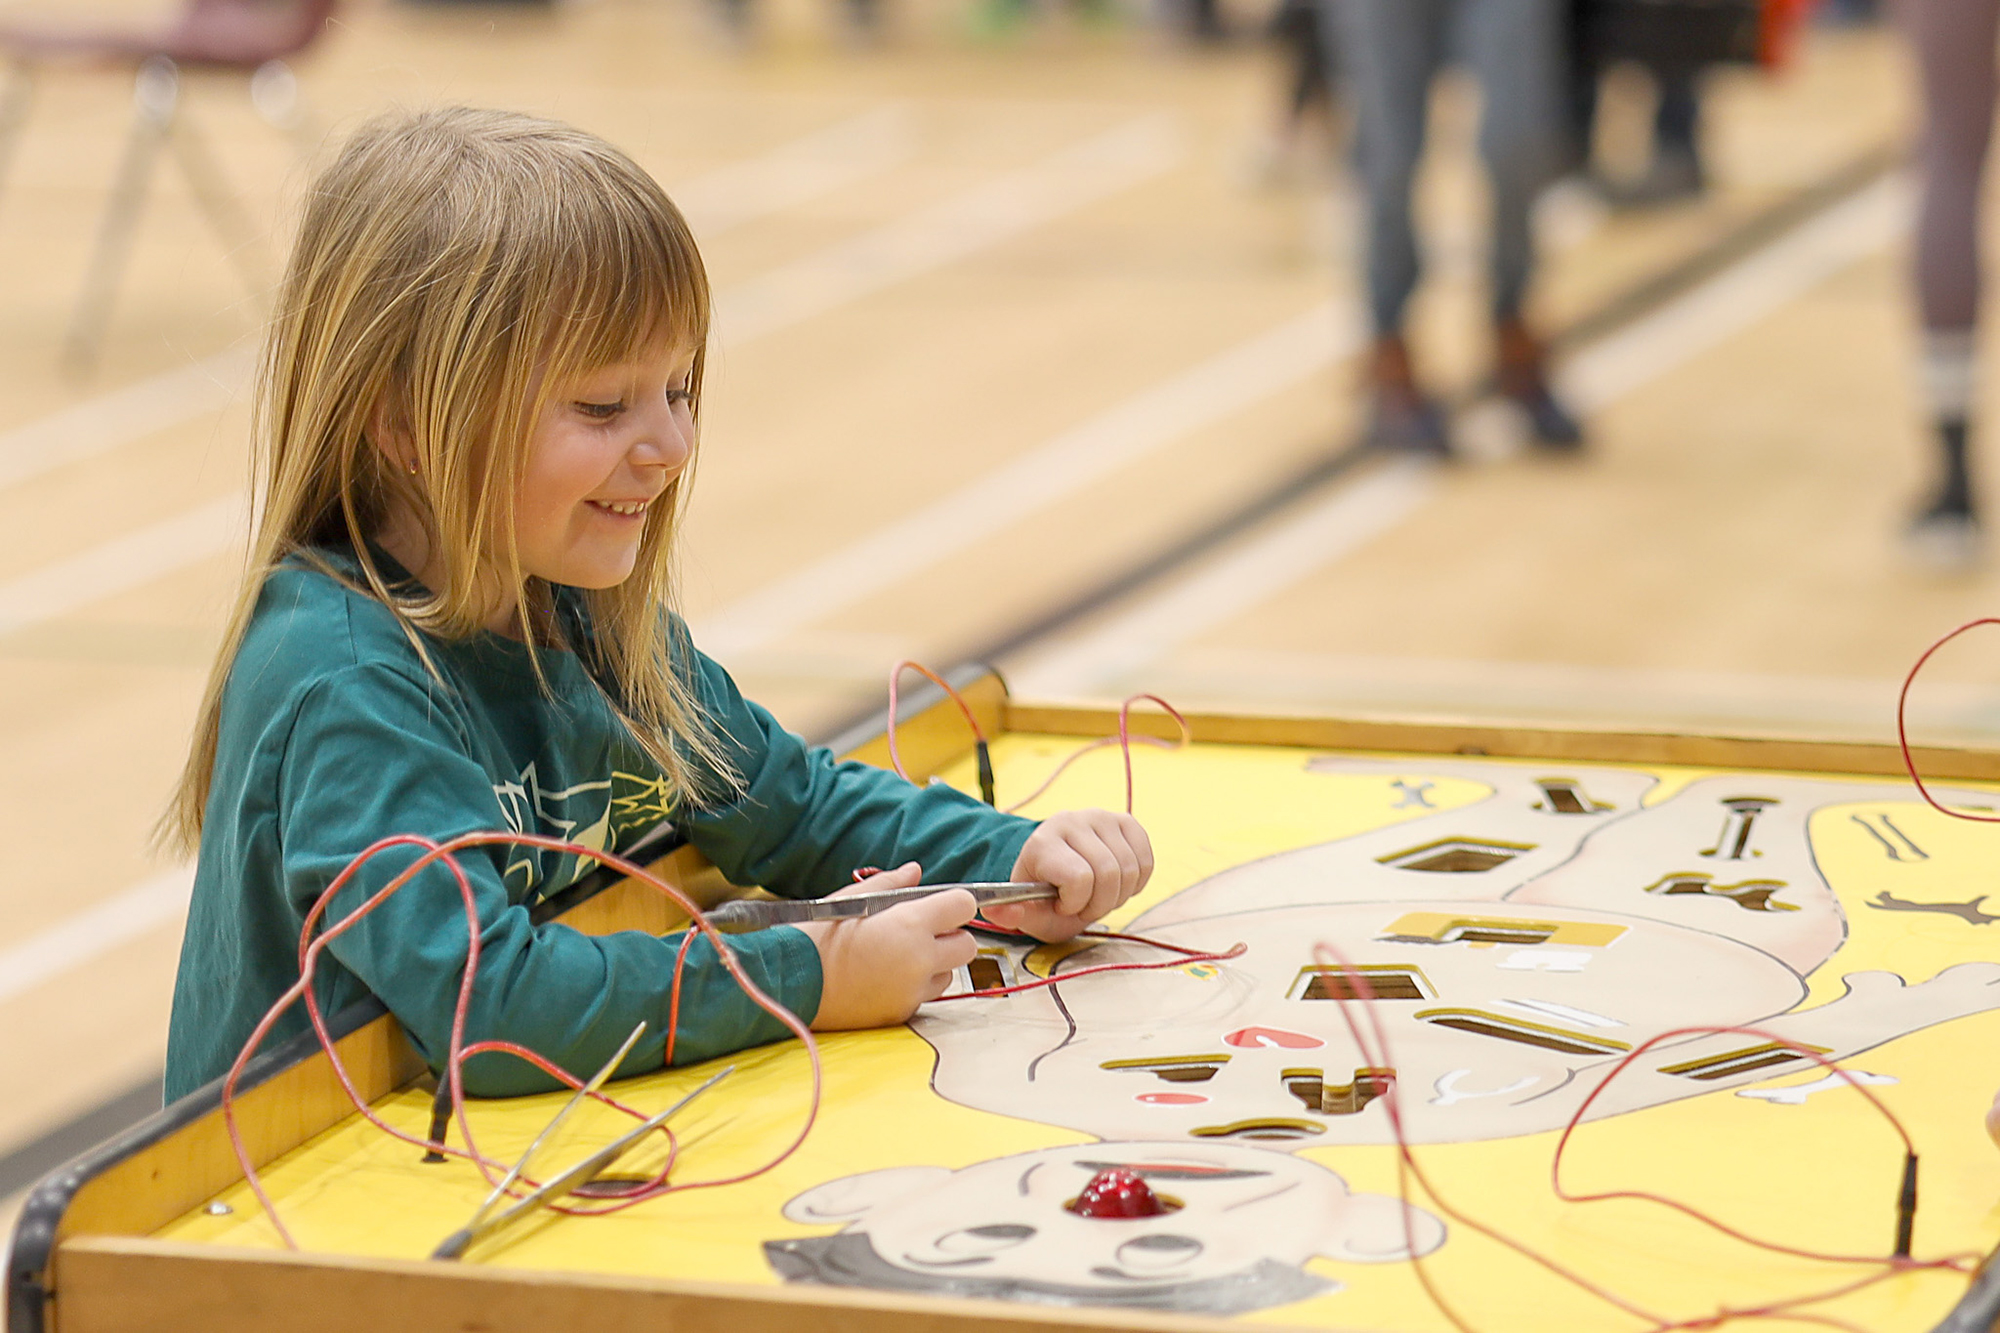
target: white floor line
<point>1157,416</point>
<point>1738,297</point>
<point>123,563</point>
<point>95,931</point>
<point>794,173</point>
<point>948,230</point>
<point>798,172</point>
<point>1347,518</point>
<point>124,416</point>
<point>1107,655</point>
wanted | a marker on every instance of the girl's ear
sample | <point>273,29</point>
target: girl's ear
<point>388,434</point>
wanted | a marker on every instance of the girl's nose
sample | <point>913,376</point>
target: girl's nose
<point>666,438</point>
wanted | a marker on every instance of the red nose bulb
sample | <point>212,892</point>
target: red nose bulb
<point>1116,1192</point>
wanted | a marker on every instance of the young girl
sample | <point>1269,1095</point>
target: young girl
<point>477,425</point>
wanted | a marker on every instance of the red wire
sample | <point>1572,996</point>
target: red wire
<point>895,676</point>
<point>1562,1144</point>
<point>674,1002</point>
<point>457,1052</point>
<point>1125,734</point>
<point>1192,957</point>
<point>1903,733</point>
<point>1075,755</point>
<point>1125,739</point>
<point>1408,1169</point>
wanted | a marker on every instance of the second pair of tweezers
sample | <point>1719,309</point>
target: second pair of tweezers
<point>748,914</point>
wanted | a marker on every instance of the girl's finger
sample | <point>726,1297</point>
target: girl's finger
<point>1065,867</point>
<point>955,950</point>
<point>1106,876</point>
<point>942,913</point>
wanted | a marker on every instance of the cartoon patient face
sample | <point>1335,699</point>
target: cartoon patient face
<point>1241,1224</point>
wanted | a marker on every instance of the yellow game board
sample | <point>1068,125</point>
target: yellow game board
<point>1526,924</point>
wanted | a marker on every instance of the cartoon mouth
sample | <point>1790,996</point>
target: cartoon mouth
<point>1173,1171</point>
<point>1272,1130</point>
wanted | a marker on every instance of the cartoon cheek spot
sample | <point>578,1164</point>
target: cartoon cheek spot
<point>1170,1098</point>
<point>1256,1038</point>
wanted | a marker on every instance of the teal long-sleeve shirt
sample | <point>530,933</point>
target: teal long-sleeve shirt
<point>334,734</point>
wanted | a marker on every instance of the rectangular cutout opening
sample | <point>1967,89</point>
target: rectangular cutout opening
<point>1770,1055</point>
<point>1520,1030</point>
<point>1384,981</point>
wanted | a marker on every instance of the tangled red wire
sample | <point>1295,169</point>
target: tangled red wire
<point>311,947</point>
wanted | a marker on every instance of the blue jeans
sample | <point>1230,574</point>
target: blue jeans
<point>1392,50</point>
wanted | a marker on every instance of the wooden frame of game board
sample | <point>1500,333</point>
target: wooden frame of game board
<point>84,1259</point>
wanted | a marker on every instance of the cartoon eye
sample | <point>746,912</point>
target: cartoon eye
<point>984,1240</point>
<point>1158,1251</point>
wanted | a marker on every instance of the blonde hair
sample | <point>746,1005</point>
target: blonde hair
<point>453,269</point>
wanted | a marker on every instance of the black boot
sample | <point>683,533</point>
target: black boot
<point>1946,534</point>
<point>1521,373</point>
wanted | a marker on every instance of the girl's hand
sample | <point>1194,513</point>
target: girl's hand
<point>1993,1121</point>
<point>877,969</point>
<point>1095,858</point>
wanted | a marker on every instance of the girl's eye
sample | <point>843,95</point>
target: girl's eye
<point>680,393</point>
<point>601,411</point>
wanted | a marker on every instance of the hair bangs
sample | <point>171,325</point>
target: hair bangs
<point>634,277</point>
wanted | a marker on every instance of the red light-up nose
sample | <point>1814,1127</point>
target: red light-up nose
<point>1116,1192</point>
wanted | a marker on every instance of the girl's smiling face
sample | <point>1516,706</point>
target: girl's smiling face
<point>607,445</point>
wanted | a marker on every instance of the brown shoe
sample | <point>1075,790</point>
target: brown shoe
<point>1401,418</point>
<point>1521,373</point>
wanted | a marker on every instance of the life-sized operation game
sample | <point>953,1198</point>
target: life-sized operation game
<point>1711,989</point>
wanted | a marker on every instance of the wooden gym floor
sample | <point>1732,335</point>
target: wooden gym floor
<point>1003,316</point>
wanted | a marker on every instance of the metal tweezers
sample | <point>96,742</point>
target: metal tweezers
<point>748,914</point>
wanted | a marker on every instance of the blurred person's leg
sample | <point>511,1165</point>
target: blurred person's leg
<point>1675,172</point>
<point>1389,51</point>
<point>1516,49</point>
<point>1954,41</point>
<point>1298,36</point>
<point>1585,75</point>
